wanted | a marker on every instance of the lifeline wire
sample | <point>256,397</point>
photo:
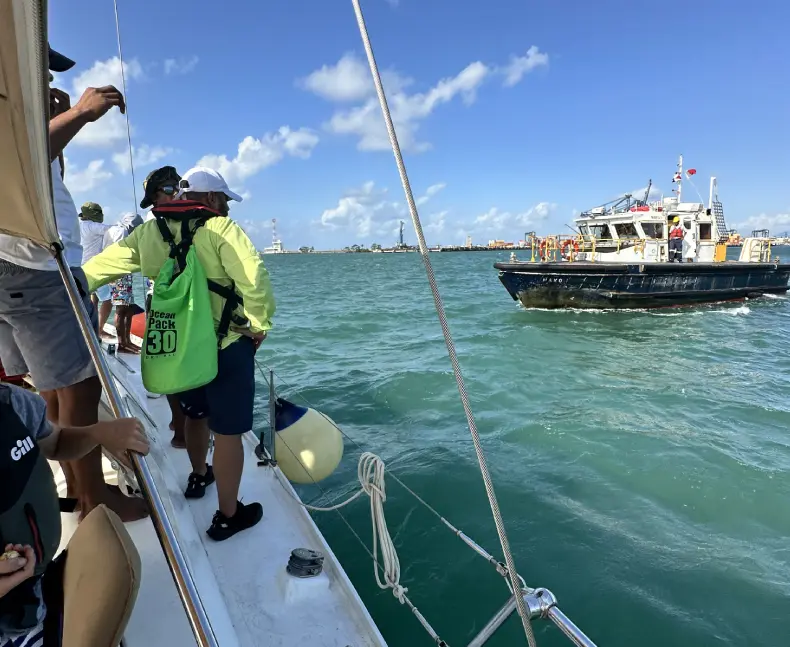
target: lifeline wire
<point>458,533</point>
<point>437,299</point>
<point>126,101</point>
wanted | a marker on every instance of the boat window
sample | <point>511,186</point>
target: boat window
<point>626,230</point>
<point>653,229</point>
<point>600,231</point>
<point>584,229</point>
<point>705,231</point>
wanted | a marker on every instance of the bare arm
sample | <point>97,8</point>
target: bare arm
<point>117,436</point>
<point>93,104</point>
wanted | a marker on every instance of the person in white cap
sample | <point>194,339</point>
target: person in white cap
<point>242,306</point>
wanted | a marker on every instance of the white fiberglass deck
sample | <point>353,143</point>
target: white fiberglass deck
<point>249,597</point>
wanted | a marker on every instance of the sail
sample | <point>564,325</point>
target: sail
<point>26,208</point>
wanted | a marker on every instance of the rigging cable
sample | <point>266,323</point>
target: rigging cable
<point>126,101</point>
<point>437,299</point>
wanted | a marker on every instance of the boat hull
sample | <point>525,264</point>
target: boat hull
<point>654,285</point>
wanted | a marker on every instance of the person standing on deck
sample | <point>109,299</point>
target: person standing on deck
<point>690,242</point>
<point>122,290</point>
<point>676,234</point>
<point>92,230</point>
<point>39,332</point>
<point>161,187</point>
<point>225,405</point>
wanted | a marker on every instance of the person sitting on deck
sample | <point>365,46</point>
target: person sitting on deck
<point>676,241</point>
<point>42,598</point>
<point>239,285</point>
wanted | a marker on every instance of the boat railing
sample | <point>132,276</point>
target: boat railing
<point>550,249</point>
<point>174,553</point>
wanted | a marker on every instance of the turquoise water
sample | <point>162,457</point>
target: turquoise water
<point>640,458</point>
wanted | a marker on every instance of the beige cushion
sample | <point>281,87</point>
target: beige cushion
<point>100,581</point>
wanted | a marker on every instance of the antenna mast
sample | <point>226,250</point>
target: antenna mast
<point>274,232</point>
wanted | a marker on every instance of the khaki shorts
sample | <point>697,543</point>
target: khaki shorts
<point>39,333</point>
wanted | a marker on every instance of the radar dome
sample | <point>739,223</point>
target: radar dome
<point>308,445</point>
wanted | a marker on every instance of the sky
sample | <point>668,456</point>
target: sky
<point>513,115</point>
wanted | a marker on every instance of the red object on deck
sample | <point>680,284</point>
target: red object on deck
<point>138,325</point>
<point>11,379</point>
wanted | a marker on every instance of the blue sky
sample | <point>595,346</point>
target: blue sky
<point>513,114</point>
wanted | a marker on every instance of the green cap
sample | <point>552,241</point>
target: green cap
<point>156,179</point>
<point>92,211</point>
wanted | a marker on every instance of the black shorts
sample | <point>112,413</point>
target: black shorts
<point>227,401</point>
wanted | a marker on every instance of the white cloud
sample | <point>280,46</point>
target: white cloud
<point>349,81</point>
<point>83,180</point>
<point>254,155</point>
<point>776,224</point>
<point>366,211</point>
<point>522,65</point>
<point>639,194</point>
<point>180,65</point>
<point>436,222</point>
<point>145,155</point>
<point>495,221</point>
<point>111,128</point>
<point>429,193</point>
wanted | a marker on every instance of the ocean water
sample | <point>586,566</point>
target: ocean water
<point>640,458</point>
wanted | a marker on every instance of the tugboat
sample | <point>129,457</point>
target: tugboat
<point>620,258</point>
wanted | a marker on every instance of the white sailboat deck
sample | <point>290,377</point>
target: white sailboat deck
<point>248,596</point>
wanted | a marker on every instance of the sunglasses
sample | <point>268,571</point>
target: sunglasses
<point>168,189</point>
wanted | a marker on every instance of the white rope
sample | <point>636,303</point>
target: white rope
<point>370,472</point>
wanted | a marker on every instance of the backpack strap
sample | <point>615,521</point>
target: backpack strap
<point>178,251</point>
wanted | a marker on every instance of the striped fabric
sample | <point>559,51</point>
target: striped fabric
<point>33,639</point>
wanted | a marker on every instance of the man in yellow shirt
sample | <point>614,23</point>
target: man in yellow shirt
<point>225,405</point>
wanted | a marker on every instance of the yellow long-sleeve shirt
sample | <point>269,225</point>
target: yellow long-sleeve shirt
<point>225,252</point>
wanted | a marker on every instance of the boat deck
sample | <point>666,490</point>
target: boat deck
<point>249,597</point>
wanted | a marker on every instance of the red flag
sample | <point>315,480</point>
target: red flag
<point>691,171</point>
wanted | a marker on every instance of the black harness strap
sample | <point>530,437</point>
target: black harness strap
<point>178,251</point>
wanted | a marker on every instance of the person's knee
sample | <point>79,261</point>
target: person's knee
<point>83,394</point>
<point>227,441</point>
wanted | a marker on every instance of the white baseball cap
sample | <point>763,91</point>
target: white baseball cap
<point>201,179</point>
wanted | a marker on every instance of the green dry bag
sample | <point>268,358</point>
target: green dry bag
<point>180,349</point>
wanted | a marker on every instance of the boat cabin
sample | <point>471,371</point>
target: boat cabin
<point>639,232</point>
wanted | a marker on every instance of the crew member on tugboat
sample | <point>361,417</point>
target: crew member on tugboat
<point>676,241</point>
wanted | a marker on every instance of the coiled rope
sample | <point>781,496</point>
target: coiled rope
<point>370,472</point>
<point>437,299</point>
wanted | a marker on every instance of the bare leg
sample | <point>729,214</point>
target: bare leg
<point>228,465</point>
<point>51,398</point>
<point>196,433</point>
<point>178,422</point>
<point>104,313</point>
<point>123,323</point>
<point>128,328</point>
<point>78,406</point>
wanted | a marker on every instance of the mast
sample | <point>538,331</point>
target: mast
<point>274,233</point>
<point>712,192</point>
<point>680,178</point>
